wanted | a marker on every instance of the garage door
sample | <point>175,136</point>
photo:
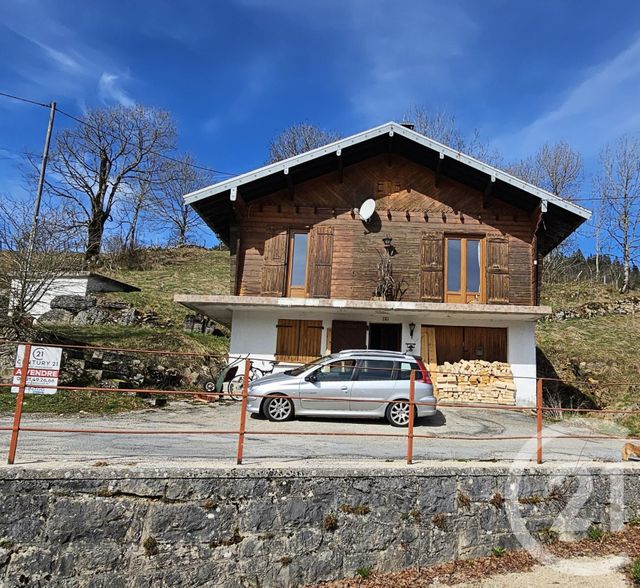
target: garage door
<point>455,343</point>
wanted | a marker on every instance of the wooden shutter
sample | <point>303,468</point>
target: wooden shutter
<point>298,341</point>
<point>310,339</point>
<point>320,260</point>
<point>497,270</point>
<point>274,269</point>
<point>432,267</point>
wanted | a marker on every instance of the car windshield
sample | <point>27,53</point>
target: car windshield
<point>303,368</point>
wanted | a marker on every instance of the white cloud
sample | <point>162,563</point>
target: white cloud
<point>110,91</point>
<point>602,106</point>
<point>54,59</point>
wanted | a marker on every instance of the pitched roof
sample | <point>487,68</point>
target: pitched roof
<point>215,203</point>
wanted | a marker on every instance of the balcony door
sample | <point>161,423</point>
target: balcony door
<point>465,269</point>
<point>298,263</point>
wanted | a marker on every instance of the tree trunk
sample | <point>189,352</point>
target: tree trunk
<point>95,230</point>
<point>626,275</point>
<point>130,240</point>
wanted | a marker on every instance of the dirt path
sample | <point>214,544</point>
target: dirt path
<point>580,572</point>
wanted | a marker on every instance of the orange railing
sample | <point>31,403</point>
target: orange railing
<point>241,431</point>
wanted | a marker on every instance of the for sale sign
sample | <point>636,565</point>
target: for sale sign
<point>43,369</point>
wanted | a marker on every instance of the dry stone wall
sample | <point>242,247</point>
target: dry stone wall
<point>475,381</point>
<point>136,527</point>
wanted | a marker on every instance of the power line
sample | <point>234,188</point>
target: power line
<point>157,154</point>
<point>82,122</point>
<point>27,100</point>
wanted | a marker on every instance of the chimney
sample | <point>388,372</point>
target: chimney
<point>408,125</point>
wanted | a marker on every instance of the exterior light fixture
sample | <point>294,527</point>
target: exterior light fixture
<point>391,250</point>
<point>412,328</point>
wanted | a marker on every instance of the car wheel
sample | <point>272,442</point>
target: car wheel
<point>278,409</point>
<point>398,414</point>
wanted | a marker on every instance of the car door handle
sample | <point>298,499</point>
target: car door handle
<point>344,388</point>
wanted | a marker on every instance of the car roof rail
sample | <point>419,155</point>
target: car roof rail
<point>372,352</point>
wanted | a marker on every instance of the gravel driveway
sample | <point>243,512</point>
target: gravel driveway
<point>262,444</point>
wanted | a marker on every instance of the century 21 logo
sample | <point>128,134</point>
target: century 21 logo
<point>39,353</point>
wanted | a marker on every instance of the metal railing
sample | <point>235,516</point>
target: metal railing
<point>241,431</point>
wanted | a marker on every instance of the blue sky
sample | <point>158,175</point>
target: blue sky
<point>233,73</point>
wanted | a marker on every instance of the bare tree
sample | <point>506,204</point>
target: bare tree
<point>135,205</point>
<point>299,138</point>
<point>28,272</point>
<point>168,210</point>
<point>555,167</point>
<point>619,191</point>
<point>94,162</point>
<point>442,126</point>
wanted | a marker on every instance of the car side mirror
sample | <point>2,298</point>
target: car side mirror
<point>312,377</point>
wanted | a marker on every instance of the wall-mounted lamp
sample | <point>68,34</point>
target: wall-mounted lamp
<point>412,328</point>
<point>391,250</point>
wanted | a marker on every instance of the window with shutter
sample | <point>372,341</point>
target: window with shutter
<point>297,340</point>
<point>274,269</point>
<point>497,270</point>
<point>431,268</point>
<point>321,259</point>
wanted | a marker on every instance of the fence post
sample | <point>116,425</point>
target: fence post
<point>539,419</point>
<point>243,414</point>
<point>17,415</point>
<point>412,399</point>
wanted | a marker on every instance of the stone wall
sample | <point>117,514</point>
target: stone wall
<point>475,381</point>
<point>97,310</point>
<point>115,369</point>
<point>244,527</point>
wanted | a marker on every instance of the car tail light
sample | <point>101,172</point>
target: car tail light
<point>422,375</point>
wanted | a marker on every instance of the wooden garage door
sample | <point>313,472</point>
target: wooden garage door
<point>348,335</point>
<point>456,343</point>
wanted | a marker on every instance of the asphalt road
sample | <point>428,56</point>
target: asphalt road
<point>205,443</point>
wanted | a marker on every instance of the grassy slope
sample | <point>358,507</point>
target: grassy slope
<point>161,274</point>
<point>594,350</point>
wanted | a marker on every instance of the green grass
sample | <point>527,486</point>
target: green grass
<point>593,351</point>
<point>137,337</point>
<point>635,571</point>
<point>72,402</point>
<point>185,270</point>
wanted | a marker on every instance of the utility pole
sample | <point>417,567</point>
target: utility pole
<point>43,169</point>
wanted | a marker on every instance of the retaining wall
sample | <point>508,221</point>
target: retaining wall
<point>257,527</point>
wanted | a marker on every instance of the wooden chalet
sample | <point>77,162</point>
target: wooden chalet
<point>448,266</point>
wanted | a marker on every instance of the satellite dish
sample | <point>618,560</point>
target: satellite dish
<point>367,209</point>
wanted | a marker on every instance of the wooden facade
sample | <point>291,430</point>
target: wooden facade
<point>414,207</point>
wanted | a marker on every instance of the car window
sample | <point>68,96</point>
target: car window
<point>336,371</point>
<point>405,367</point>
<point>375,369</point>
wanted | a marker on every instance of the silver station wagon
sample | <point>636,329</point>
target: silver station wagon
<point>354,383</point>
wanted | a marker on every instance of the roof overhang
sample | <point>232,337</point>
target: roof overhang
<point>215,204</point>
<point>222,307</point>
